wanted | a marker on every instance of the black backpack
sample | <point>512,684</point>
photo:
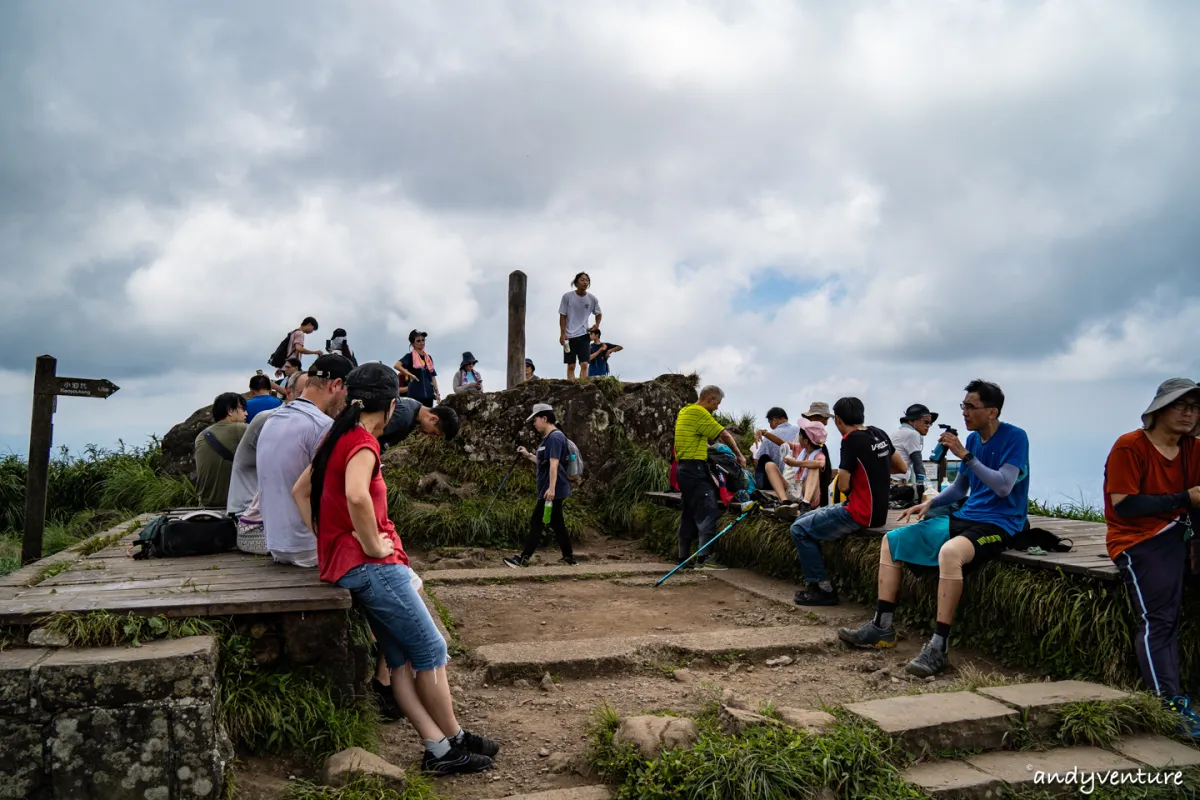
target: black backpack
<point>279,357</point>
<point>721,460</point>
<point>200,533</point>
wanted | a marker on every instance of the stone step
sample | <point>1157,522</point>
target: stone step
<point>596,792</point>
<point>1067,770</point>
<point>929,723</point>
<point>578,658</point>
<point>597,571</point>
<point>784,593</point>
<point>1039,701</point>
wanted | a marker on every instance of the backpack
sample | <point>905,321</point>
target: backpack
<point>574,460</point>
<point>199,533</point>
<point>723,463</point>
<point>279,357</point>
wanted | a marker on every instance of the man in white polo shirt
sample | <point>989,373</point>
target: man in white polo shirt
<point>573,312</point>
<point>286,445</point>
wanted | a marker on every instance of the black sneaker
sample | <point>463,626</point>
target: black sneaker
<point>478,743</point>
<point>931,661</point>
<point>516,562</point>
<point>386,699</point>
<point>569,561</point>
<point>816,596</point>
<point>457,762</point>
<point>868,635</point>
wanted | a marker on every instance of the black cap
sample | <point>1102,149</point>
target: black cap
<point>414,333</point>
<point>372,379</point>
<point>916,411</point>
<point>330,365</point>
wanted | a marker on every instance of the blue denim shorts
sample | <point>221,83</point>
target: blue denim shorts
<point>398,616</point>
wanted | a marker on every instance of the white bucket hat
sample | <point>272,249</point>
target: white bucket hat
<point>1169,391</point>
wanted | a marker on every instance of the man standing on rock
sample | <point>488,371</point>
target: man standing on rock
<point>573,313</point>
<point>285,449</point>
<point>695,427</point>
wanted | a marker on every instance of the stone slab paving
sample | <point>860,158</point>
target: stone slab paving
<point>933,722</point>
<point>1158,751</point>
<point>1041,700</point>
<point>572,793</point>
<point>1020,770</point>
<point>954,780</point>
<point>434,577</point>
<point>783,592</point>
<point>586,657</point>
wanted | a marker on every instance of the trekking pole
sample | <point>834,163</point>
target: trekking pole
<point>503,481</point>
<point>746,509</point>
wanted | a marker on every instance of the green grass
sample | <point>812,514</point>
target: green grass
<point>106,629</point>
<point>363,787</point>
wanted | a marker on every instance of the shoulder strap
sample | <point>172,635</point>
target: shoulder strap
<point>215,444</point>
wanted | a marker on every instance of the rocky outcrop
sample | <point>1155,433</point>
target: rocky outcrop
<point>179,445</point>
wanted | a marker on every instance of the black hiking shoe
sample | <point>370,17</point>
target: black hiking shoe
<point>814,595</point>
<point>458,761</point>
<point>386,699</point>
<point>516,562</point>
<point>711,565</point>
<point>568,561</point>
<point>868,635</point>
<point>477,743</point>
<point>931,661</point>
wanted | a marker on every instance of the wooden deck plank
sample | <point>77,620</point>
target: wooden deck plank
<point>293,580</point>
<point>192,604</point>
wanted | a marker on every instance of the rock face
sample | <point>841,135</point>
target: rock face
<point>179,445</point>
<point>341,767</point>
<point>650,734</point>
<point>112,722</point>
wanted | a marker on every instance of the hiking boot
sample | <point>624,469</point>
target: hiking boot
<point>868,635</point>
<point>814,595</point>
<point>687,565</point>
<point>457,762</point>
<point>711,566</point>
<point>931,661</point>
<point>479,744</point>
<point>1189,721</point>
<point>569,561</point>
<point>388,707</point>
<point>516,562</point>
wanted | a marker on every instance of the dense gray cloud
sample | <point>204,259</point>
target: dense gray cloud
<point>946,189</point>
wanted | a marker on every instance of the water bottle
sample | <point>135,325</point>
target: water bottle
<point>546,512</point>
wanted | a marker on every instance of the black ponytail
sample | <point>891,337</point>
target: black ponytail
<point>345,422</point>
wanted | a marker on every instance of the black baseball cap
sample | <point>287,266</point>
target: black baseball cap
<point>332,366</point>
<point>372,379</point>
<point>414,333</point>
<point>916,411</point>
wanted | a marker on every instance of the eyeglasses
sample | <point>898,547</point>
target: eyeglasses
<point>969,407</point>
<point>1186,408</point>
<point>417,340</point>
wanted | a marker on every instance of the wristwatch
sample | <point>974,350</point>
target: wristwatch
<point>968,458</point>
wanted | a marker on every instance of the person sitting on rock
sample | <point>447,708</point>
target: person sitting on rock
<point>867,460</point>
<point>342,498</point>
<point>994,480</point>
<point>771,441</point>
<point>1151,507</point>
<point>260,399</point>
<point>553,487</point>
<point>467,378</point>
<point>214,448</point>
<point>285,447</point>
<point>807,472</point>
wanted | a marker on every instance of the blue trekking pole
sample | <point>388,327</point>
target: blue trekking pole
<point>746,509</point>
<point>503,481</point>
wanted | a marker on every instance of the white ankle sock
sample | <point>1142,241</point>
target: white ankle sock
<point>439,748</point>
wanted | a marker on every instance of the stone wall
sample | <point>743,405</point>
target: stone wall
<point>112,723</point>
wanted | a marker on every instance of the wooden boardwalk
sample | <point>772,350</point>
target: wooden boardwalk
<point>197,586</point>
<point>1086,557</point>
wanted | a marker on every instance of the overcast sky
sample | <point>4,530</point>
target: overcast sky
<point>798,200</point>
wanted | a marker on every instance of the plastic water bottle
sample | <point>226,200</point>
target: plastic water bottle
<point>546,513</point>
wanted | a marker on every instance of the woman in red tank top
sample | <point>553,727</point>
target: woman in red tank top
<point>343,499</point>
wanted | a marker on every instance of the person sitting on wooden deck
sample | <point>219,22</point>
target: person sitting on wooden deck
<point>285,447</point>
<point>342,496</point>
<point>867,461</point>
<point>214,448</point>
<point>1152,507</point>
<point>995,483</point>
<point>695,427</point>
<point>909,442</point>
<point>807,470</point>
<point>772,441</point>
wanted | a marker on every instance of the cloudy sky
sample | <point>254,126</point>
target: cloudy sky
<point>799,200</point>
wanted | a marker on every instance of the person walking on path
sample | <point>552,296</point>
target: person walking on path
<point>417,367</point>
<point>573,313</point>
<point>1152,508</point>
<point>342,498</point>
<point>296,347</point>
<point>467,378</point>
<point>553,488</point>
<point>695,427</point>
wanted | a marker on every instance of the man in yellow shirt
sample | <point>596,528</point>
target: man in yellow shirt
<point>695,427</point>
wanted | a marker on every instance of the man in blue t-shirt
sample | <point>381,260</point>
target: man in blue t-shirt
<point>599,353</point>
<point>994,482</point>
<point>553,487</point>
<point>260,399</point>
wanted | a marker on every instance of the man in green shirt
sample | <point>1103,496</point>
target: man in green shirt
<point>215,448</point>
<point>695,427</point>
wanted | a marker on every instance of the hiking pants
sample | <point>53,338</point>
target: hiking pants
<point>558,524</point>
<point>698,519</point>
<point>1154,570</point>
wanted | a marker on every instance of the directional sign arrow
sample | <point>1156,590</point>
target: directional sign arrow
<point>85,387</point>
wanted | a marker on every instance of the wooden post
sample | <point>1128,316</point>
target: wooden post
<point>41,434</point>
<point>516,328</point>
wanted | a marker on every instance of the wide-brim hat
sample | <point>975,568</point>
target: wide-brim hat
<point>916,411</point>
<point>539,409</point>
<point>1168,392</point>
<point>818,410</point>
<point>468,358</point>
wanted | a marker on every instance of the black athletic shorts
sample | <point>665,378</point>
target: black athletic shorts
<point>988,540</point>
<point>581,349</point>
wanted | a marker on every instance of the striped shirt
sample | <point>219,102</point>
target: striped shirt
<point>694,428</point>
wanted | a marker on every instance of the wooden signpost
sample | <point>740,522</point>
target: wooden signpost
<point>47,386</point>
<point>516,328</point>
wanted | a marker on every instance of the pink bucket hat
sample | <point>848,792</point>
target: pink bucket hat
<point>815,431</point>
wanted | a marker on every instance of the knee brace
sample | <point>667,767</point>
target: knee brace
<point>953,556</point>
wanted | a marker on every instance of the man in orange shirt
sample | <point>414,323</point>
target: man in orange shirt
<point>1151,505</point>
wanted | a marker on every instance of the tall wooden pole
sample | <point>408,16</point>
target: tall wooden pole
<point>516,328</point>
<point>41,434</point>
